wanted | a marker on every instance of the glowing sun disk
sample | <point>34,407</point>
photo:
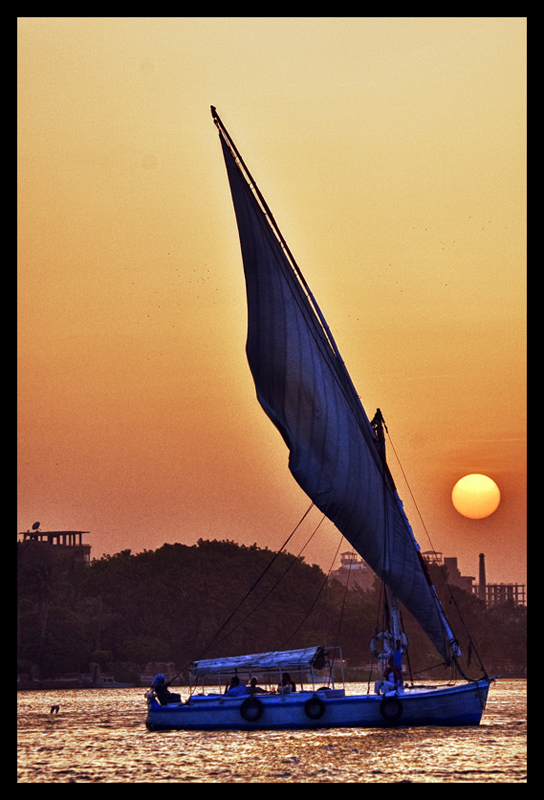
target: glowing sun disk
<point>476,496</point>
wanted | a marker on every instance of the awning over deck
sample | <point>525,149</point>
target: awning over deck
<point>257,662</point>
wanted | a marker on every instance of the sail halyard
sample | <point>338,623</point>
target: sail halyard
<point>305,389</point>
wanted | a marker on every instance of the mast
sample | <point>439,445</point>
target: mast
<point>379,426</point>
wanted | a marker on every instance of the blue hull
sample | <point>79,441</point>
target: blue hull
<point>454,705</point>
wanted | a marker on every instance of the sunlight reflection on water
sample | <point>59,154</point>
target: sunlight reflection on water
<point>100,736</point>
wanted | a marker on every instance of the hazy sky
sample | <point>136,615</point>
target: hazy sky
<point>392,153</point>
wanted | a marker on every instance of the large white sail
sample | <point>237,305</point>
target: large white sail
<point>303,386</point>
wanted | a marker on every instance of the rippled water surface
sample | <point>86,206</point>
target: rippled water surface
<point>99,736</point>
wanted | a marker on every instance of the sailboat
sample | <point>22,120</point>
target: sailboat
<point>337,456</point>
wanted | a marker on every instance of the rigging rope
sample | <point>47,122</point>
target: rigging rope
<point>259,579</point>
<point>344,599</point>
<point>244,598</point>
<point>472,647</point>
<point>282,576</point>
<point>409,489</point>
<point>323,584</point>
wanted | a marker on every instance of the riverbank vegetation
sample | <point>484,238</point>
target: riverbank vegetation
<point>218,598</point>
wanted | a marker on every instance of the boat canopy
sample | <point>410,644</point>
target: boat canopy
<point>306,658</point>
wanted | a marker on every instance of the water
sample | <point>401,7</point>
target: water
<point>99,736</point>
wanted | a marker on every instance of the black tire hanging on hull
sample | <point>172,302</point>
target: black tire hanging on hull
<point>314,708</point>
<point>391,709</point>
<point>251,709</point>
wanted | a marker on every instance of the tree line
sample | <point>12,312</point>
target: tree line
<point>217,598</point>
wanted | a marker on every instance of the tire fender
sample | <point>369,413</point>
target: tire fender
<point>314,708</point>
<point>251,709</point>
<point>391,709</point>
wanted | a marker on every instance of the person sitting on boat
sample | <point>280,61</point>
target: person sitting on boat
<point>286,686</point>
<point>164,695</point>
<point>235,688</point>
<point>392,679</point>
<point>254,689</point>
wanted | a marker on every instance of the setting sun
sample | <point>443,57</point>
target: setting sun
<point>476,496</point>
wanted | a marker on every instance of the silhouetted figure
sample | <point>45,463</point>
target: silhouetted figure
<point>254,689</point>
<point>286,686</point>
<point>235,688</point>
<point>164,695</point>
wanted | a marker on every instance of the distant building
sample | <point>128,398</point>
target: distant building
<point>53,546</point>
<point>491,593</point>
<point>355,571</point>
<point>449,564</point>
<point>496,593</point>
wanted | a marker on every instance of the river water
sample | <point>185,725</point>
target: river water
<point>99,736</point>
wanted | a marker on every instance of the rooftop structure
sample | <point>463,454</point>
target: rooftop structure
<point>55,544</point>
<point>355,571</point>
<point>490,593</point>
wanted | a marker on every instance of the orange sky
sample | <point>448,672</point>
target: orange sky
<point>392,153</point>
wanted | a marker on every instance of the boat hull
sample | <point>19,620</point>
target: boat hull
<point>455,705</point>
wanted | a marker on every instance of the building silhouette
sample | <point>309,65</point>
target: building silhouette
<point>496,593</point>
<point>354,571</point>
<point>453,574</point>
<point>490,593</point>
<point>47,547</point>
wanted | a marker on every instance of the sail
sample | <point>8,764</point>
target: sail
<point>303,386</point>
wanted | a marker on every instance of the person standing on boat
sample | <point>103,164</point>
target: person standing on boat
<point>397,664</point>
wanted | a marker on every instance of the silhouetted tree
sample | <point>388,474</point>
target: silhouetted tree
<point>180,602</point>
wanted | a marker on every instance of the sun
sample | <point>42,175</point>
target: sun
<point>476,496</point>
